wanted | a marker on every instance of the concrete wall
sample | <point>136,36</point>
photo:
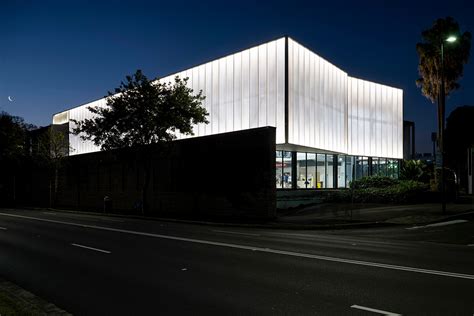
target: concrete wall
<point>230,174</point>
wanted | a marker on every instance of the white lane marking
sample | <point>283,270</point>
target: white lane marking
<point>237,233</point>
<point>457,221</point>
<point>379,311</point>
<point>110,220</point>
<point>3,228</point>
<point>471,245</point>
<point>91,248</point>
<point>266,250</point>
<point>98,217</point>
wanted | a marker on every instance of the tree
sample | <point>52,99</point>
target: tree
<point>13,149</point>
<point>456,55</point>
<point>53,147</point>
<point>415,170</point>
<point>459,137</point>
<point>141,112</point>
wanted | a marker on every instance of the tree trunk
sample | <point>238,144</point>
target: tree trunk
<point>55,185</point>
<point>50,192</point>
<point>146,180</point>
<point>14,190</point>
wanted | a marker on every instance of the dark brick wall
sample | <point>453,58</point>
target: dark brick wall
<point>230,174</point>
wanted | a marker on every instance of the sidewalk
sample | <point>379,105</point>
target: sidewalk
<point>340,213</point>
<point>329,216</point>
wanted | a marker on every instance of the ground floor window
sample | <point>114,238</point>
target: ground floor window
<point>341,171</point>
<point>311,170</point>
<point>327,171</point>
<point>321,171</point>
<point>301,176</point>
<point>287,163</point>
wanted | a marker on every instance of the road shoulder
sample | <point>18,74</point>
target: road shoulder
<point>16,301</point>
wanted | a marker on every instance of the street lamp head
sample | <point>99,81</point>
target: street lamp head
<point>451,39</point>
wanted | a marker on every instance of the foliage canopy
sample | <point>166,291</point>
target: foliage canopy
<point>456,55</point>
<point>142,112</point>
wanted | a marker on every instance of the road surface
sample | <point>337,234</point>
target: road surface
<point>96,265</point>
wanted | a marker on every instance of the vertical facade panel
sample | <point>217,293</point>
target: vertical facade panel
<point>245,89</point>
<point>271,84</point>
<point>262,85</point>
<point>280,78</point>
<point>254,88</point>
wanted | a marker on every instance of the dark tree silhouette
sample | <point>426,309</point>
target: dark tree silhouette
<point>142,112</point>
<point>456,55</point>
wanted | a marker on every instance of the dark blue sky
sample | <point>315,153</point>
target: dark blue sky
<point>58,54</point>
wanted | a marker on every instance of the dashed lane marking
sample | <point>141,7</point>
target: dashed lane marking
<point>373,310</point>
<point>457,221</point>
<point>236,233</point>
<point>91,248</point>
<point>259,249</point>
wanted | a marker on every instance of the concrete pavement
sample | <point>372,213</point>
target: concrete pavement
<point>99,265</point>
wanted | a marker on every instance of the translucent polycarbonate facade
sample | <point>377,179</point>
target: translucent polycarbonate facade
<point>312,103</point>
<point>317,101</point>
<point>375,119</point>
<point>244,90</point>
<point>77,145</point>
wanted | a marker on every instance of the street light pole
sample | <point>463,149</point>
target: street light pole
<point>441,110</point>
<point>441,115</point>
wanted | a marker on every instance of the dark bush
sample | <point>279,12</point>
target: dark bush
<point>373,182</point>
<point>387,190</point>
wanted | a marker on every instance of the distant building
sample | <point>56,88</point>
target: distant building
<point>426,157</point>
<point>409,140</point>
<point>330,127</point>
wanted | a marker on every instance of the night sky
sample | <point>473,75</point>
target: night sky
<point>55,55</point>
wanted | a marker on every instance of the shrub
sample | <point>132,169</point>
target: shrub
<point>373,182</point>
<point>416,170</point>
<point>387,190</point>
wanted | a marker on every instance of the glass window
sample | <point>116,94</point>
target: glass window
<point>321,171</point>
<point>392,168</point>
<point>396,170</point>
<point>365,166</point>
<point>279,169</point>
<point>286,170</point>
<point>359,172</point>
<point>330,171</point>
<point>383,166</point>
<point>341,171</point>
<point>301,170</point>
<point>311,170</point>
<point>375,166</point>
<point>349,169</point>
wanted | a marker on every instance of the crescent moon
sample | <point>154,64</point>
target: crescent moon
<point>10,99</point>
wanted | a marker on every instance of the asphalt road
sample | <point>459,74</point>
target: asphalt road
<point>94,265</point>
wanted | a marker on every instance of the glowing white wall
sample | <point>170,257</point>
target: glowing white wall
<point>327,109</point>
<point>375,119</point>
<point>317,101</point>
<point>243,90</point>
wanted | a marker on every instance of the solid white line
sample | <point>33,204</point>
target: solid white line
<point>379,311</point>
<point>237,233</point>
<point>457,221</point>
<point>3,228</point>
<point>265,250</point>
<point>97,217</point>
<point>91,248</point>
